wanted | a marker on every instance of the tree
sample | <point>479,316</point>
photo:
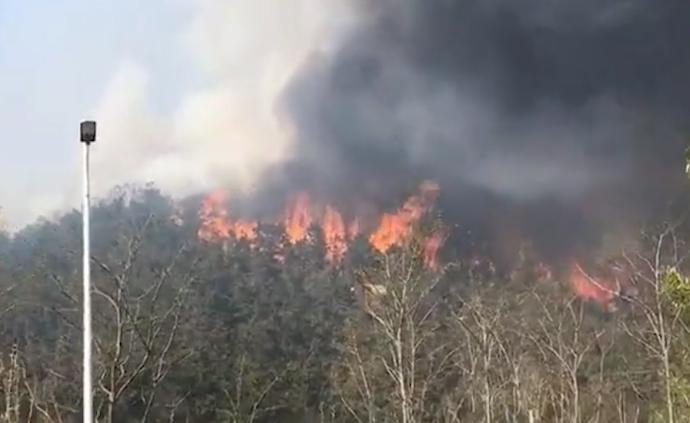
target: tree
<point>396,356</point>
<point>659,324</point>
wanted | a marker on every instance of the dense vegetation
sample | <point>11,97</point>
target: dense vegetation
<point>188,331</point>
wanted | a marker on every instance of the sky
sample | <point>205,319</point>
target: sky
<point>183,91</point>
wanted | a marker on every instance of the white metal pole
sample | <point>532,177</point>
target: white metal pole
<point>87,381</point>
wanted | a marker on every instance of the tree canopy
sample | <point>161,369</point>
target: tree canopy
<point>194,331</point>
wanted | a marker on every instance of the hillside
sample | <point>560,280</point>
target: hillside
<point>197,331</point>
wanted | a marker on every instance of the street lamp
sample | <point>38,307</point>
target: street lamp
<point>87,136</point>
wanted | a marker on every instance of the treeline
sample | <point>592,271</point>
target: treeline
<point>187,331</point>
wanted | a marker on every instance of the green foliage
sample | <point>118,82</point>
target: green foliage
<point>680,387</point>
<point>676,288</point>
<point>676,298</point>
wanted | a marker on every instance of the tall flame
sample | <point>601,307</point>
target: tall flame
<point>431,249</point>
<point>216,224</point>
<point>396,229</point>
<point>298,218</point>
<point>334,235</point>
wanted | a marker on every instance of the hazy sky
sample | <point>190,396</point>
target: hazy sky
<point>56,57</point>
<point>183,91</point>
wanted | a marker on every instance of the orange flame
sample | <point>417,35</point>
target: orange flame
<point>216,225</point>
<point>246,229</point>
<point>334,235</point>
<point>396,229</point>
<point>588,288</point>
<point>392,231</point>
<point>298,218</point>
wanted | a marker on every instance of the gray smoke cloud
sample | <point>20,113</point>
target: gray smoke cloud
<point>560,119</point>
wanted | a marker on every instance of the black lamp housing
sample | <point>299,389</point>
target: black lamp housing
<point>87,131</point>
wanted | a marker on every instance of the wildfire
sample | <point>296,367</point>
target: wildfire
<point>588,288</point>
<point>245,229</point>
<point>216,224</point>
<point>431,248</point>
<point>298,218</point>
<point>334,235</point>
<point>394,229</point>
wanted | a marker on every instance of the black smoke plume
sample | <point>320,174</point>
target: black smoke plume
<point>556,121</point>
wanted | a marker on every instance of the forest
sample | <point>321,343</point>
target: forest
<point>193,331</point>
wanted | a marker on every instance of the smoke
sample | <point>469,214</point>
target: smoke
<point>555,121</point>
<point>223,130</point>
<point>561,120</point>
<point>208,123</point>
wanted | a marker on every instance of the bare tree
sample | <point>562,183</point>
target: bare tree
<point>659,326</point>
<point>139,311</point>
<point>491,357</point>
<point>561,338</point>
<point>247,398</point>
<point>137,342</point>
<point>397,357</point>
<point>480,354</point>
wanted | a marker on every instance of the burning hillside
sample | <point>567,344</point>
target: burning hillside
<point>389,230</point>
<point>383,233</point>
<point>557,124</point>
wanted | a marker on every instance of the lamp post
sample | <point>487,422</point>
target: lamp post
<point>87,135</point>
